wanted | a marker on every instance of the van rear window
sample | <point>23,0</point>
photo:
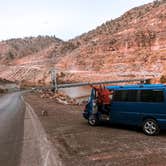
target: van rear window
<point>151,96</point>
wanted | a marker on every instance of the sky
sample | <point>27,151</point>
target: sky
<point>65,19</point>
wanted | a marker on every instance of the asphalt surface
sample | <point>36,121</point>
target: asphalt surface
<point>23,141</point>
<point>12,112</point>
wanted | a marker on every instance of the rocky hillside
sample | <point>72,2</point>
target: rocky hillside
<point>133,45</point>
<point>18,48</point>
<point>27,60</point>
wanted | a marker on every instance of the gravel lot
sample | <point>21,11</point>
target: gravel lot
<point>77,143</point>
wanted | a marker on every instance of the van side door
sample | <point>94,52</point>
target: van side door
<point>153,105</point>
<point>124,108</point>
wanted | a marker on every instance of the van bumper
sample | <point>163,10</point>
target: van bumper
<point>85,115</point>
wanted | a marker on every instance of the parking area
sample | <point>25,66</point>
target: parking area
<point>78,143</point>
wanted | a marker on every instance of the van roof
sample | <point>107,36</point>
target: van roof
<point>137,87</point>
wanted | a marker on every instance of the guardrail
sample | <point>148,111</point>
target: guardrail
<point>142,81</point>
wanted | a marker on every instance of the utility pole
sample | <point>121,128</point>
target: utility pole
<point>54,87</point>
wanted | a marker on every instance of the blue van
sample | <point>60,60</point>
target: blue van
<point>141,105</point>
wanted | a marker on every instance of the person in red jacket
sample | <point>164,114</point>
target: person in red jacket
<point>103,98</point>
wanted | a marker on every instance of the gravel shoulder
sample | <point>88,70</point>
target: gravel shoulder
<point>79,144</point>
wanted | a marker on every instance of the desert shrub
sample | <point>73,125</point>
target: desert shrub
<point>3,90</point>
<point>163,79</point>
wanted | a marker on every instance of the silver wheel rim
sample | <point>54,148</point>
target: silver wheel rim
<point>150,127</point>
<point>92,121</point>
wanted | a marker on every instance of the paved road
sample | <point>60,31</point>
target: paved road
<point>12,111</point>
<point>23,141</point>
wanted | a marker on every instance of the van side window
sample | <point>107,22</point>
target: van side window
<point>125,95</point>
<point>151,96</point>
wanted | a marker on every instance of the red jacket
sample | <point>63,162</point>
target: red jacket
<point>103,95</point>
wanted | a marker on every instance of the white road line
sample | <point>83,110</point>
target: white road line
<point>46,160</point>
<point>48,153</point>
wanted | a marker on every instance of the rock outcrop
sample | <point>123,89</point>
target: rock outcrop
<point>133,45</point>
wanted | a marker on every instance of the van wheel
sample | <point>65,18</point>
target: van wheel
<point>151,127</point>
<point>93,121</point>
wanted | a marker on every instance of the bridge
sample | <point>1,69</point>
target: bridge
<point>140,81</point>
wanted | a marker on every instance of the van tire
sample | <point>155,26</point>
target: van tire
<point>93,120</point>
<point>150,127</point>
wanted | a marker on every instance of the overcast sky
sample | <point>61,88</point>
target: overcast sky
<point>63,18</point>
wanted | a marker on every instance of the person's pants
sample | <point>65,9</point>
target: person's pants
<point>106,108</point>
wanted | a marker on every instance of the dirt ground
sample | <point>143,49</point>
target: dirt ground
<point>80,144</point>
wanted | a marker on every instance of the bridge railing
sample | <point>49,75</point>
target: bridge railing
<point>142,81</point>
